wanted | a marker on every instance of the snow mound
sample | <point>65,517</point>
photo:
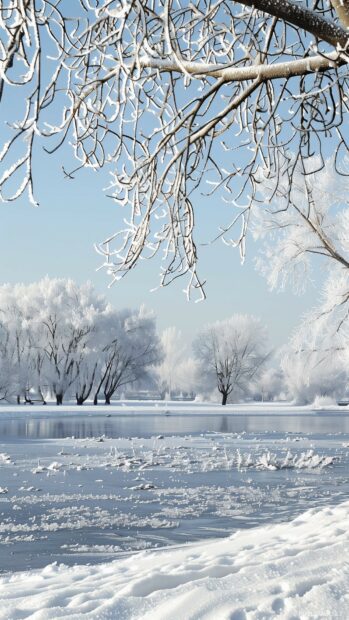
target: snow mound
<point>297,569</point>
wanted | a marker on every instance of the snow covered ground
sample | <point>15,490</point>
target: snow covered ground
<point>86,498</point>
<point>297,570</point>
<point>128,407</point>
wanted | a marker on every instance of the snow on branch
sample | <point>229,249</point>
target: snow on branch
<point>174,99</point>
<point>299,15</point>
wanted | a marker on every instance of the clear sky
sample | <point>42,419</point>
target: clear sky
<point>57,238</point>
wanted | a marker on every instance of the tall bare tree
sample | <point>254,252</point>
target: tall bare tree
<point>170,94</point>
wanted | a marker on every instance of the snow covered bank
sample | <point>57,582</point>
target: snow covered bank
<point>140,407</point>
<point>291,570</point>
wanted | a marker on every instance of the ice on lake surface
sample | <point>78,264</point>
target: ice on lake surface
<point>85,488</point>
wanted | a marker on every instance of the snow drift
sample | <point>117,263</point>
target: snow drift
<point>298,569</point>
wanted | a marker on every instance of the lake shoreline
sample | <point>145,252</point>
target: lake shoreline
<point>171,408</point>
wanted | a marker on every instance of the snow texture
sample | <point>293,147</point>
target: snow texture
<point>291,570</point>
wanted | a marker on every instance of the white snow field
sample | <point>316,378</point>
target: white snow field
<point>297,570</point>
<point>147,511</point>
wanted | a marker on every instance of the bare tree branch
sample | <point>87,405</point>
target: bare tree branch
<point>299,15</point>
<point>174,99</point>
<point>342,9</point>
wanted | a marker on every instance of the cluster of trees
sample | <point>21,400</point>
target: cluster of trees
<point>244,98</point>
<point>60,340</point>
<point>57,337</point>
<point>232,356</point>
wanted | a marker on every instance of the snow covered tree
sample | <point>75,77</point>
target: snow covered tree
<point>86,372</point>
<point>231,353</point>
<point>315,362</point>
<point>131,346</point>
<point>168,372</point>
<point>67,316</point>
<point>58,337</point>
<point>48,324</point>
<point>314,373</point>
<point>313,222</point>
<point>17,338</point>
<point>270,385</point>
<point>168,95</point>
<point>8,384</point>
<point>187,376</point>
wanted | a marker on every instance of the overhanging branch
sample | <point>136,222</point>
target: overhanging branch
<point>300,16</point>
<point>342,9</point>
<point>252,72</point>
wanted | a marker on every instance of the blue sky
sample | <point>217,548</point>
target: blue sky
<point>57,238</point>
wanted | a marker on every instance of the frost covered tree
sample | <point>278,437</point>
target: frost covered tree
<point>168,95</point>
<point>270,385</point>
<point>231,353</point>
<point>57,337</point>
<point>86,368</point>
<point>130,347</point>
<point>312,221</point>
<point>48,324</point>
<point>8,384</point>
<point>66,316</point>
<point>314,225</point>
<point>16,340</point>
<point>310,373</point>
<point>315,362</point>
<point>63,343</point>
<point>187,376</point>
<point>168,374</point>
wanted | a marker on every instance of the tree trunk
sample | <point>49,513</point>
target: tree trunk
<point>41,395</point>
<point>59,399</point>
<point>18,400</point>
<point>224,398</point>
<point>107,399</point>
<point>80,400</point>
<point>95,400</point>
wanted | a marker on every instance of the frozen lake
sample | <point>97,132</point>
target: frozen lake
<point>53,426</point>
<point>82,488</point>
